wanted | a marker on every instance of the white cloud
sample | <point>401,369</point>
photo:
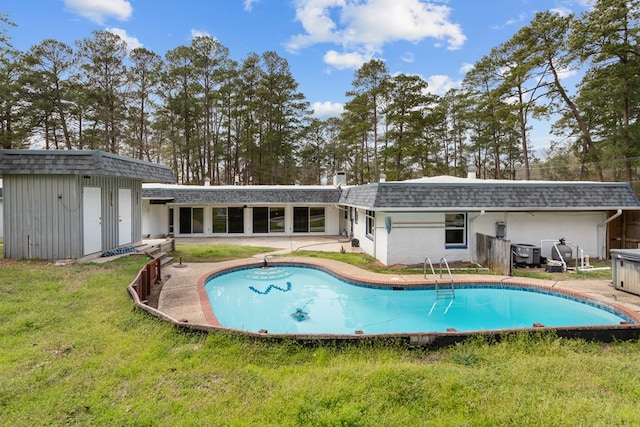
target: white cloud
<point>440,84</point>
<point>342,61</point>
<point>367,25</point>
<point>248,4</point>
<point>561,11</point>
<point>383,21</point>
<point>565,73</point>
<point>465,68</point>
<point>325,110</point>
<point>315,17</point>
<point>199,33</point>
<point>408,57</point>
<point>99,10</point>
<point>511,22</point>
<point>132,42</point>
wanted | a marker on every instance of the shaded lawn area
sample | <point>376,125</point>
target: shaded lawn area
<point>75,350</point>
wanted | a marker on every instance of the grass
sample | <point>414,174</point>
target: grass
<point>596,274</point>
<point>217,252</point>
<point>222,252</point>
<point>75,350</point>
<point>368,262</point>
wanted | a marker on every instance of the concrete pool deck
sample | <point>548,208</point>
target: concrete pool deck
<point>181,297</point>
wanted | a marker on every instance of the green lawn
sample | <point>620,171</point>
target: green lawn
<point>216,252</point>
<point>75,351</point>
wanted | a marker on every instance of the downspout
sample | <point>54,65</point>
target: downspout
<point>602,226</point>
<point>482,212</point>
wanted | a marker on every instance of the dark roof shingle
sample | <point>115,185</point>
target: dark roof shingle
<point>508,195</point>
<point>243,194</point>
<point>81,162</point>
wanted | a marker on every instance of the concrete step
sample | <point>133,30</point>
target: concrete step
<point>157,254</point>
<point>152,251</point>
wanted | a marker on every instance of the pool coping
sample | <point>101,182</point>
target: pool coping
<point>184,302</point>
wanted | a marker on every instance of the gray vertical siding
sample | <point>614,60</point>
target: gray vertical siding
<point>42,213</point>
<point>1,221</point>
<point>44,218</point>
<point>110,220</point>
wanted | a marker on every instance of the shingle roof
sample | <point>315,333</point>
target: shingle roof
<point>81,162</point>
<point>504,195</point>
<point>242,194</point>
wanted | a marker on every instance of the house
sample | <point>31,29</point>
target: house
<point>69,204</point>
<point>404,222</point>
<point>400,222</point>
<point>217,211</point>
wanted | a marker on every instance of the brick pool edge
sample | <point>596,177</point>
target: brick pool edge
<point>600,333</point>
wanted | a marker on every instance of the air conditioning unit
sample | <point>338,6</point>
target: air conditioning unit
<point>526,255</point>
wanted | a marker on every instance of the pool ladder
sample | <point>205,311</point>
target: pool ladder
<point>442,292</point>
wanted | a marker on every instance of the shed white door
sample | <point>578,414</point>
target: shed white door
<point>124,216</point>
<point>92,214</point>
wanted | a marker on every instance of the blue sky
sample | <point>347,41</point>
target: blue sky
<point>324,41</point>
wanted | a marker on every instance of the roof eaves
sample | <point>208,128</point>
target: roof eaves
<point>81,162</point>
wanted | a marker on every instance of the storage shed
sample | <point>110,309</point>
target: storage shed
<point>1,219</point>
<point>625,264</point>
<point>70,204</point>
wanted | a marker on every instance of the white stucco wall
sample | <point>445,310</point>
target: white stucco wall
<point>415,236</point>
<point>332,220</point>
<point>155,220</point>
<point>579,228</point>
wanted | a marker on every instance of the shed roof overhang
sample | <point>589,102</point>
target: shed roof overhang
<point>81,162</point>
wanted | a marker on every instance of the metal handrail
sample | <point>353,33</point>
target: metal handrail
<point>448,270</point>
<point>435,277</point>
<point>424,269</point>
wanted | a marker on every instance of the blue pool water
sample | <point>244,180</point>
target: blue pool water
<point>303,300</point>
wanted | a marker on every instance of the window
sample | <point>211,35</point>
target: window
<point>236,219</point>
<point>260,219</point>
<point>268,219</point>
<point>306,219</point>
<point>355,215</point>
<point>227,220</point>
<point>371,223</point>
<point>455,230</point>
<point>219,219</point>
<point>316,220</point>
<point>276,220</point>
<point>191,220</point>
<point>170,220</point>
<point>300,219</point>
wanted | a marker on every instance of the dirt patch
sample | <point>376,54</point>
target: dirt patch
<point>154,297</point>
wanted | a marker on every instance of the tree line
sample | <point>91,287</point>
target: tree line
<point>211,117</point>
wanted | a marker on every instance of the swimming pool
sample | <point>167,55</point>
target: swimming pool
<point>294,299</point>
